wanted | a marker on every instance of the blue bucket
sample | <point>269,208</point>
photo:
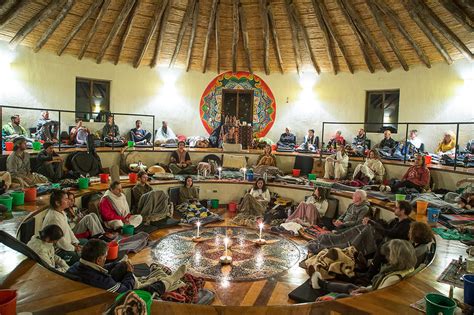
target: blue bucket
<point>468,289</point>
<point>433,215</point>
<point>250,176</point>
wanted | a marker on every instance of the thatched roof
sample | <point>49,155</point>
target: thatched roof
<point>276,35</point>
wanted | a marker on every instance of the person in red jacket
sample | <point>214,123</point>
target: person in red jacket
<point>114,208</point>
<point>417,176</point>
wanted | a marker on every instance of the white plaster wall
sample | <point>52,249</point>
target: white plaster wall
<point>442,93</point>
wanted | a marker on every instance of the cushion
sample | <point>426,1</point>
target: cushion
<point>234,161</point>
<point>305,293</point>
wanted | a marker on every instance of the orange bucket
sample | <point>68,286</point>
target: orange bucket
<point>232,206</point>
<point>104,178</point>
<point>427,159</point>
<point>421,207</point>
<point>8,146</point>
<point>296,172</point>
<point>30,194</point>
<point>112,253</point>
<point>132,177</point>
<point>8,302</point>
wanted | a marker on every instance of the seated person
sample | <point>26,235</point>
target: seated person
<point>111,132</point>
<point>447,145</point>
<point>312,209</point>
<point>92,270</point>
<point>396,228</point>
<point>47,129</point>
<point>83,225</point>
<point>355,213</point>
<point>336,165</point>
<point>337,140</point>
<point>18,165</point>
<point>413,144</point>
<point>164,134</point>
<point>50,164</point>
<point>387,146</point>
<point>416,177</point>
<point>253,204</point>
<point>371,171</point>
<point>310,142</point>
<point>287,140</point>
<point>114,209</point>
<point>139,135</point>
<point>13,129</point>
<point>266,158</point>
<point>5,181</point>
<point>359,144</point>
<point>180,161</point>
<point>142,187</point>
<point>68,247</point>
<point>188,193</point>
<point>79,133</point>
<point>421,236</point>
<point>231,136</point>
<point>43,245</point>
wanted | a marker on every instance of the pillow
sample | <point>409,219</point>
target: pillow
<point>234,161</point>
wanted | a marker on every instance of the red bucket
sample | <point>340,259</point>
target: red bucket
<point>132,177</point>
<point>8,302</point>
<point>104,178</point>
<point>30,194</point>
<point>8,146</point>
<point>112,253</point>
<point>296,172</point>
<point>427,159</point>
<point>274,147</point>
<point>232,206</point>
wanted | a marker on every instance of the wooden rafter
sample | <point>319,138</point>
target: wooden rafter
<point>184,25</point>
<point>275,37</point>
<point>11,10</point>
<point>321,10</point>
<point>210,25</point>
<point>458,14</point>
<point>326,35</point>
<point>93,7</point>
<point>393,16</point>
<point>193,35</point>
<point>467,6</point>
<point>50,30</point>
<point>365,32</point>
<point>6,6</point>
<point>217,36</point>
<point>245,37</point>
<point>235,33</point>
<point>387,33</point>
<point>151,31</point>
<point>128,29</point>
<point>266,35</point>
<point>428,33</point>
<point>161,34</point>
<point>294,37</point>
<point>127,7</point>
<point>94,28</point>
<point>362,45</point>
<point>35,21</point>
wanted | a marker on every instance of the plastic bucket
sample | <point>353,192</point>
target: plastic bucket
<point>427,159</point>
<point>112,253</point>
<point>7,201</point>
<point>8,302</point>
<point>399,197</point>
<point>468,289</point>
<point>215,203</point>
<point>37,146</point>
<point>232,206</point>
<point>56,186</point>
<point>132,177</point>
<point>250,176</point>
<point>296,172</point>
<point>18,198</point>
<point>421,207</point>
<point>439,304</point>
<point>83,183</point>
<point>8,146</point>
<point>433,216</point>
<point>128,229</point>
<point>131,144</point>
<point>274,147</point>
<point>144,295</point>
<point>30,194</point>
<point>311,176</point>
<point>104,178</point>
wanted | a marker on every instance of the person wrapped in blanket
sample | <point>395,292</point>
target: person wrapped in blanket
<point>336,165</point>
<point>79,133</point>
<point>266,162</point>
<point>310,142</point>
<point>356,211</point>
<point>371,171</point>
<point>417,177</point>
<point>413,145</point>
<point>189,205</point>
<point>310,211</point>
<point>401,259</point>
<point>253,204</point>
<point>43,245</point>
<point>447,145</point>
<point>388,146</point>
<point>359,144</point>
<point>13,130</point>
<point>287,141</point>
<point>165,134</point>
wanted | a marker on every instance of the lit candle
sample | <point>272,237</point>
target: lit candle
<point>261,228</point>
<point>220,170</point>
<point>198,224</point>
<point>245,171</point>
<point>226,241</point>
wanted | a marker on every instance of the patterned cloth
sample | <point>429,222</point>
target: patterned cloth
<point>246,136</point>
<point>333,261</point>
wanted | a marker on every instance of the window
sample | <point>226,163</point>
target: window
<point>382,108</point>
<point>238,103</point>
<point>92,96</point>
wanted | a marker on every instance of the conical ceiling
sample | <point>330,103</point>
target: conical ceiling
<point>271,36</point>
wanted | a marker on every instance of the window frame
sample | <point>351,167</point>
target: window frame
<point>91,113</point>
<point>367,127</point>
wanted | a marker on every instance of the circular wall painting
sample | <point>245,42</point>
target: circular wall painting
<point>264,105</point>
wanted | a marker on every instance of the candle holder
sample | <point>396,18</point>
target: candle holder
<point>225,259</point>
<point>260,240</point>
<point>197,238</point>
<point>219,169</point>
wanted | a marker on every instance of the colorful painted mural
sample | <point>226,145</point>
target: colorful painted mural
<point>264,107</point>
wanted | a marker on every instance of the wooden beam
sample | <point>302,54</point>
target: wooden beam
<point>151,31</point>
<point>266,35</point>
<point>128,29</point>
<point>326,36</point>
<point>12,11</point>
<point>59,18</point>
<point>365,32</point>
<point>428,33</point>
<point>161,34</point>
<point>386,32</point>
<point>458,14</point>
<point>193,35</point>
<point>93,7</point>
<point>94,28</point>
<point>467,6</point>
<point>182,29</point>
<point>245,37</point>
<point>362,45</point>
<point>235,33</point>
<point>35,21</point>
<point>392,15</point>
<point>5,6</point>
<point>434,20</point>
<point>127,7</point>
<point>321,10</point>
<point>275,37</point>
<point>294,37</point>
<point>217,30</point>
<point>208,35</point>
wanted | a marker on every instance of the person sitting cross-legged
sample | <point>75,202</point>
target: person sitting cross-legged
<point>416,177</point>
<point>50,164</point>
<point>47,129</point>
<point>139,135</point>
<point>142,187</point>
<point>336,165</point>
<point>180,161</point>
<point>253,204</point>
<point>83,225</point>
<point>310,211</point>
<point>43,245</point>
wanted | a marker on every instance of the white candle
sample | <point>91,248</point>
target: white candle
<point>245,171</point>
<point>261,228</point>
<point>198,225</point>
<point>220,170</point>
<point>226,241</point>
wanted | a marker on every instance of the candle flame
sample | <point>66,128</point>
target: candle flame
<point>260,225</point>
<point>198,223</point>
<point>226,241</point>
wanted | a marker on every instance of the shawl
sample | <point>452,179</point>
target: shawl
<point>332,261</point>
<point>120,204</point>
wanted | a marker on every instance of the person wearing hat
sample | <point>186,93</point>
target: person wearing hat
<point>50,164</point>
<point>18,165</point>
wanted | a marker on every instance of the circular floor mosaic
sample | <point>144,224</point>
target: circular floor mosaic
<point>249,261</point>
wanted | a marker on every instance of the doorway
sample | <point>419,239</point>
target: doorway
<point>238,103</point>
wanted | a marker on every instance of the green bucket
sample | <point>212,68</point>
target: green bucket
<point>399,197</point>
<point>131,144</point>
<point>312,176</point>
<point>83,183</point>
<point>18,198</point>
<point>144,295</point>
<point>437,303</point>
<point>56,186</point>
<point>215,203</point>
<point>37,146</point>
<point>7,201</point>
<point>128,229</point>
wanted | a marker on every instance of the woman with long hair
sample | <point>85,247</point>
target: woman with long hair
<point>312,209</point>
<point>371,170</point>
<point>253,204</point>
<point>416,177</point>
